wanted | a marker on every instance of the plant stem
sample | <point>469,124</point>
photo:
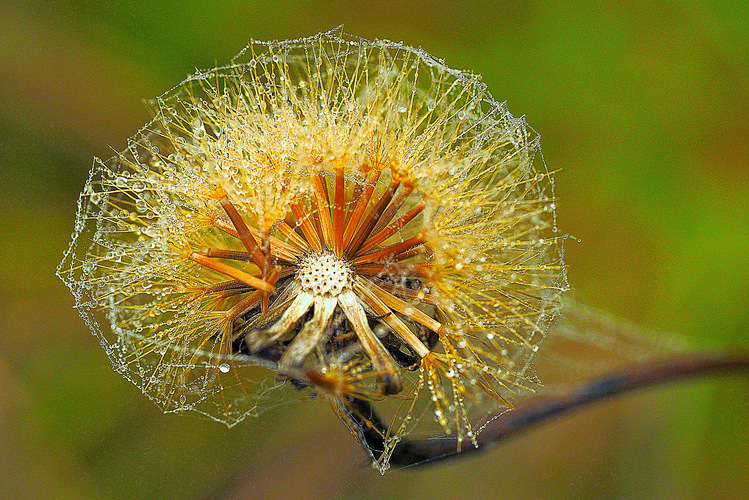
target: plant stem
<point>542,408</point>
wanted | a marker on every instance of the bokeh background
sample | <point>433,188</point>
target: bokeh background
<point>643,107</point>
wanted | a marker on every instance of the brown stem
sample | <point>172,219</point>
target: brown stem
<point>541,409</point>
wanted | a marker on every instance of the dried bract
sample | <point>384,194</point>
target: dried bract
<point>352,216</point>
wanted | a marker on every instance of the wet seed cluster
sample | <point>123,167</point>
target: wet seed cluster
<point>350,204</point>
<point>324,273</point>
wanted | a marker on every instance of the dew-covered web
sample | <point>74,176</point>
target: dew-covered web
<point>326,216</point>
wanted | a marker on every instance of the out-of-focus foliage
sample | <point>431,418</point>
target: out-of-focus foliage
<point>645,110</point>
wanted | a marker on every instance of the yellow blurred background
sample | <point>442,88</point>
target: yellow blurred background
<point>643,108</point>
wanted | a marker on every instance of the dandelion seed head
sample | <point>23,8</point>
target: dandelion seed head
<point>324,273</point>
<point>351,215</point>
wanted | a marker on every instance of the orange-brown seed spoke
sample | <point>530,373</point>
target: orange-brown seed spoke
<point>339,215</point>
<point>292,236</point>
<point>393,208</point>
<point>323,208</point>
<point>279,248</point>
<point>286,271</point>
<point>355,195</point>
<point>244,234</point>
<point>305,223</point>
<point>412,253</point>
<point>228,254</point>
<point>402,292</point>
<point>232,285</point>
<point>361,205</point>
<point>371,219</point>
<point>243,305</point>
<point>383,269</point>
<point>314,216</point>
<point>379,237</point>
<point>265,297</point>
<point>391,250</point>
<point>232,272</point>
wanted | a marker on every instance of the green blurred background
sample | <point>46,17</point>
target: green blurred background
<point>644,108</point>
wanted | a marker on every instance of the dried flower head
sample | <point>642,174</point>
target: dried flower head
<point>351,216</point>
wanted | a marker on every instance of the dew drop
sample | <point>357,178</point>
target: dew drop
<point>224,367</point>
<point>198,129</point>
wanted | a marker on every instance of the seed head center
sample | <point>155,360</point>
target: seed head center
<point>324,273</point>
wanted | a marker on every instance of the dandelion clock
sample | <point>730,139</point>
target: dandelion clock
<point>331,217</point>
